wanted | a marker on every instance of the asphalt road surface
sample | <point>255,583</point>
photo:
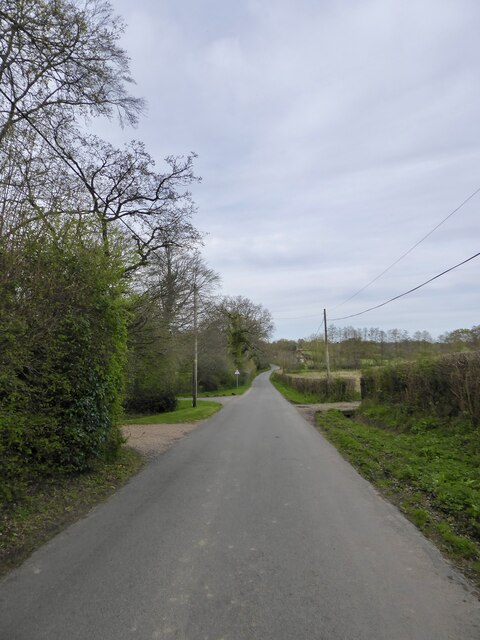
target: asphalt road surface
<point>252,527</point>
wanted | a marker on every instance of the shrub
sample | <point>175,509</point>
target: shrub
<point>445,387</point>
<point>155,402</point>
<point>62,340</point>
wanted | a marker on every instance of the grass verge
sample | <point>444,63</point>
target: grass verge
<point>232,391</point>
<point>52,505</point>
<point>429,468</point>
<point>184,413</point>
<point>293,395</point>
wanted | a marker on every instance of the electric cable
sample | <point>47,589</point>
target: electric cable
<point>462,204</point>
<point>354,315</point>
<point>409,250</point>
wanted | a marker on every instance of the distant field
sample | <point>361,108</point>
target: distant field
<point>342,373</point>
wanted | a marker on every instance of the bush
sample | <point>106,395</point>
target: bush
<point>159,402</point>
<point>445,387</point>
<point>62,345</point>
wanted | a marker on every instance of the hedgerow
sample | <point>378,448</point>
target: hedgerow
<point>62,351</point>
<point>444,387</point>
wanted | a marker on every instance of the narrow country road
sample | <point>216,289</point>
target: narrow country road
<point>252,527</point>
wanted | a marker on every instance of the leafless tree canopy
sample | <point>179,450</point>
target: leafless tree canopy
<point>61,58</point>
<point>124,190</point>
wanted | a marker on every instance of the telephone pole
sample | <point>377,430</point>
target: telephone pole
<point>327,357</point>
<point>195,346</point>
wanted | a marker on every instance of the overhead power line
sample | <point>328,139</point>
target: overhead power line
<point>354,315</point>
<point>295,317</point>
<point>411,249</point>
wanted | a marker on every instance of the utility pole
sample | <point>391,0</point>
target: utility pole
<point>327,357</point>
<point>195,346</point>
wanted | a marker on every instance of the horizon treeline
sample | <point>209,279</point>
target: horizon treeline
<point>354,348</point>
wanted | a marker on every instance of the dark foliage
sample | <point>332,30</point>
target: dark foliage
<point>145,402</point>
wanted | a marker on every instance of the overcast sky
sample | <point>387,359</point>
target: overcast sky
<point>332,136</point>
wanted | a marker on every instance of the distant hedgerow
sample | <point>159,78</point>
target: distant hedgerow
<point>337,389</point>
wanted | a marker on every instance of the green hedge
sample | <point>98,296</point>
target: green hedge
<point>444,387</point>
<point>62,352</point>
<point>337,389</point>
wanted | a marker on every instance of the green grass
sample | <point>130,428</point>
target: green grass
<point>184,413</point>
<point>52,505</point>
<point>221,393</point>
<point>292,395</point>
<point>429,468</point>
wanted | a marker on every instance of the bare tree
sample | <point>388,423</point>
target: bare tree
<point>124,191</point>
<point>61,58</point>
<point>165,292</point>
<point>173,277</point>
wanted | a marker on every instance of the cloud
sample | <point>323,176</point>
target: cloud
<point>331,138</point>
